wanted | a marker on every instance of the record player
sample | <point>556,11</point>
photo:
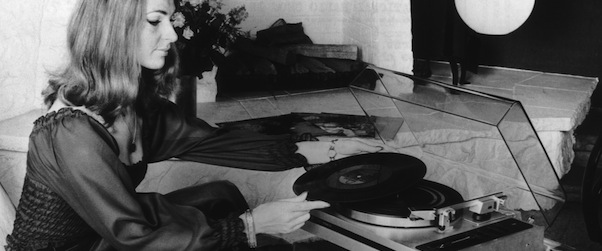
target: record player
<point>470,172</point>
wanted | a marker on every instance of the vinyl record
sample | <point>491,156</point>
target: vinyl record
<point>361,177</point>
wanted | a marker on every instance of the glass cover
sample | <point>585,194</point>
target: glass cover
<point>476,143</point>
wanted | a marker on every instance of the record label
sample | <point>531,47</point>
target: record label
<point>360,176</point>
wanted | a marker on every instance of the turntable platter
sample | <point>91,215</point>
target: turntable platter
<point>395,210</point>
<point>361,177</point>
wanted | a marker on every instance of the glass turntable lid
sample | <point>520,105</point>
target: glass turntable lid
<point>476,143</point>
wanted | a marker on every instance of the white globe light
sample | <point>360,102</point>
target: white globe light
<point>494,17</point>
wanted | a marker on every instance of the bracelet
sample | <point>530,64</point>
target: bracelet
<point>331,151</point>
<point>244,221</point>
<point>251,237</point>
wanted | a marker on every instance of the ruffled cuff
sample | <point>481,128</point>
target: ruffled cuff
<point>231,231</point>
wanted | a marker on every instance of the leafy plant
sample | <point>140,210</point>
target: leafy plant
<point>205,33</point>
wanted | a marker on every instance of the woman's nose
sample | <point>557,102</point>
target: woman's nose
<point>170,33</point>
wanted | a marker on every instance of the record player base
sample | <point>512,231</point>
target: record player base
<point>530,239</point>
<point>352,236</point>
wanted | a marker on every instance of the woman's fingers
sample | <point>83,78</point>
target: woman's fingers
<point>301,197</point>
<point>284,215</point>
<point>383,147</point>
<point>310,205</point>
<point>299,221</point>
<point>295,227</point>
<point>358,145</point>
<point>300,203</point>
<point>361,147</point>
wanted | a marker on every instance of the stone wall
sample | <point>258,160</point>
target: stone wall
<point>33,37</point>
<point>382,29</point>
<point>322,20</point>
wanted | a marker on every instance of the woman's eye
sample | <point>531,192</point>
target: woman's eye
<point>153,22</point>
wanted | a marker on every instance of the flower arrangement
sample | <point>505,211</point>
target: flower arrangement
<point>205,33</point>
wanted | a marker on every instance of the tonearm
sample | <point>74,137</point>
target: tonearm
<point>481,207</point>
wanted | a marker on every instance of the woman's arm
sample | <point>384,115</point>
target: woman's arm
<point>77,160</point>
<point>168,133</point>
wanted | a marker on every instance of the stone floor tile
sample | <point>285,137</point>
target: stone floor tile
<point>563,82</point>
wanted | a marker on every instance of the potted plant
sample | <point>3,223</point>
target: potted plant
<point>206,34</point>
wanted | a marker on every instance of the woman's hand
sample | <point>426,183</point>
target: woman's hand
<point>353,146</point>
<point>317,152</point>
<point>284,216</point>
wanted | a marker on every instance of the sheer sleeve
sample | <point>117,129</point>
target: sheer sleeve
<point>82,167</point>
<point>168,133</point>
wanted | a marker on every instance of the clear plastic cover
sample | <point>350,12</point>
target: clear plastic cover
<point>476,143</point>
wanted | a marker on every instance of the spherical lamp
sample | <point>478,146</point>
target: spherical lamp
<point>494,17</point>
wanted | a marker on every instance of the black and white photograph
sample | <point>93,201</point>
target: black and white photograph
<point>300,125</point>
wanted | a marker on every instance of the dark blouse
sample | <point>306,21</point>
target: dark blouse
<point>78,195</point>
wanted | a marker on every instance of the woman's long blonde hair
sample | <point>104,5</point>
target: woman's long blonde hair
<point>103,73</point>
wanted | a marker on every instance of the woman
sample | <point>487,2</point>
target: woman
<point>106,122</point>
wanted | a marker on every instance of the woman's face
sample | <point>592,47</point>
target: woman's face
<point>157,34</point>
